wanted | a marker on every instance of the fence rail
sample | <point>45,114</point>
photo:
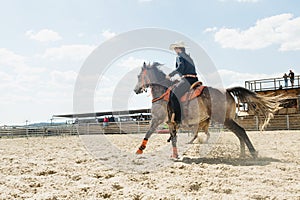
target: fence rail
<point>279,122</point>
<point>31,131</point>
<point>271,84</point>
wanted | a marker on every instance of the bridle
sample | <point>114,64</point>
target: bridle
<point>146,83</point>
<point>145,80</point>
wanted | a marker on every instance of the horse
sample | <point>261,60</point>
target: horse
<point>213,104</point>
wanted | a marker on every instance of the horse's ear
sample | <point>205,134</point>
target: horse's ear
<point>144,65</point>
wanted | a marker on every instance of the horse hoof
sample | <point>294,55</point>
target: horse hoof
<point>174,157</point>
<point>254,154</point>
<point>139,151</point>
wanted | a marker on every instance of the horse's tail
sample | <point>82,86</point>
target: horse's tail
<point>264,106</point>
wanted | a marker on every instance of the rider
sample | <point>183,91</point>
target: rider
<point>185,68</point>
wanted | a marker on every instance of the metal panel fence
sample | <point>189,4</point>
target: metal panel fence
<point>32,131</point>
<point>279,122</point>
<point>271,84</point>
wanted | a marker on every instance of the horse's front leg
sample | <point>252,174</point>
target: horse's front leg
<point>153,125</point>
<point>173,138</point>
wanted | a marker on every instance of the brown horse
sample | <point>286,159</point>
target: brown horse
<point>212,105</point>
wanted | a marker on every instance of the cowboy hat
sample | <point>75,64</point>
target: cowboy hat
<point>179,44</point>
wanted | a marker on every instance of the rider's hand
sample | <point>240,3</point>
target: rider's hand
<point>168,77</point>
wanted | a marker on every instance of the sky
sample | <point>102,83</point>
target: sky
<point>45,43</point>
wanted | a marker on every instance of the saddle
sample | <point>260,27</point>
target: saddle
<point>195,90</point>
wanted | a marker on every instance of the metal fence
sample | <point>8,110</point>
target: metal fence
<point>114,127</point>
<point>32,131</point>
<point>271,84</point>
<point>279,122</point>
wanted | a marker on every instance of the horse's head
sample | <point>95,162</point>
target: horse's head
<point>143,79</point>
<point>148,76</point>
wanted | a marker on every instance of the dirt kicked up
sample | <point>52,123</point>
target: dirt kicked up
<point>62,168</point>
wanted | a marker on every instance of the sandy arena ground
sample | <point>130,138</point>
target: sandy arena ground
<point>62,168</point>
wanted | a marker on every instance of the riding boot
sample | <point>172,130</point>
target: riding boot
<point>176,109</point>
<point>177,112</point>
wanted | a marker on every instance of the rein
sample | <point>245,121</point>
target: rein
<point>146,82</point>
<point>143,79</point>
<point>163,96</point>
<point>159,98</point>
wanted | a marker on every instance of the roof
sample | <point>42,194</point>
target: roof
<point>99,114</point>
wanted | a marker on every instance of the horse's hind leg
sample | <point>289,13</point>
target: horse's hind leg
<point>205,127</point>
<point>242,149</point>
<point>206,132</point>
<point>195,130</point>
<point>243,137</point>
<point>202,126</point>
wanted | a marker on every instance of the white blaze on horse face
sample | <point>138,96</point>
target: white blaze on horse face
<point>139,86</point>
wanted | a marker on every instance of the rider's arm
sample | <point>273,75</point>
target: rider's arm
<point>179,69</point>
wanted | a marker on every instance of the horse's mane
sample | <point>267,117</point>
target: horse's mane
<point>158,73</point>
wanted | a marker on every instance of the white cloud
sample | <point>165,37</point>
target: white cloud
<point>80,35</point>
<point>16,77</point>
<point>5,78</point>
<point>233,78</point>
<point>107,34</point>
<point>63,77</point>
<point>44,35</point>
<point>17,63</point>
<point>9,58</point>
<point>131,63</point>
<point>68,52</point>
<point>25,88</point>
<point>210,29</point>
<point>282,30</point>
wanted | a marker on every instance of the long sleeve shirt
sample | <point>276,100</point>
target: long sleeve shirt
<point>184,65</point>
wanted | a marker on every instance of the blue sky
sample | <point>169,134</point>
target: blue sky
<point>44,44</point>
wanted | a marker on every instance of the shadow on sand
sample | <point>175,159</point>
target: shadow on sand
<point>261,161</point>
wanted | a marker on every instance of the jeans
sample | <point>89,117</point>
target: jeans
<point>178,91</point>
<point>286,83</point>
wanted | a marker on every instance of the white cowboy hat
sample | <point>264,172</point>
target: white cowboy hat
<point>179,44</point>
